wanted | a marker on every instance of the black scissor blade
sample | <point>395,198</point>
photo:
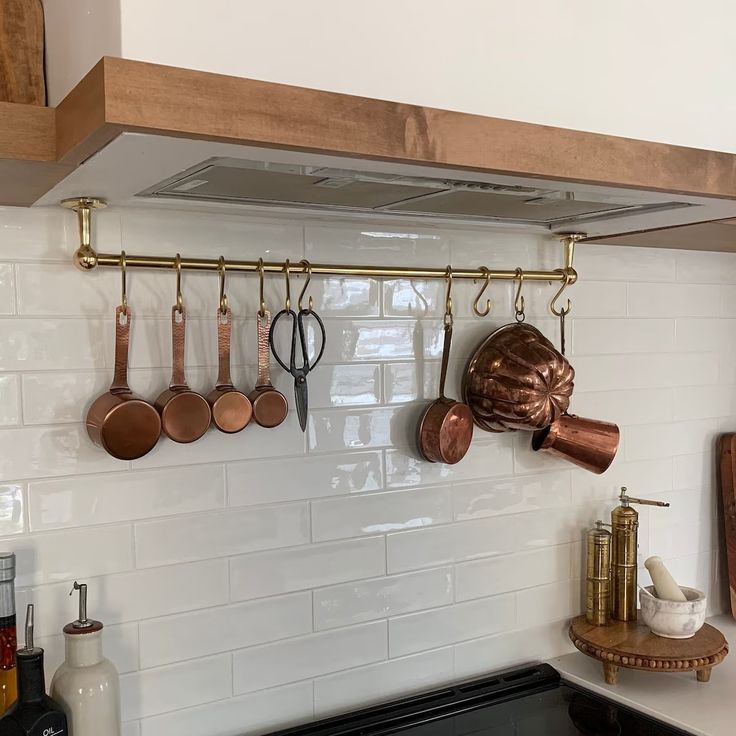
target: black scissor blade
<point>301,397</point>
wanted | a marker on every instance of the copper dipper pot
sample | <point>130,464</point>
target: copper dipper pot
<point>231,409</point>
<point>185,414</point>
<point>270,406</point>
<point>119,421</point>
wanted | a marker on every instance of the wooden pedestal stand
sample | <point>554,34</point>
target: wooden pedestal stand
<point>633,646</point>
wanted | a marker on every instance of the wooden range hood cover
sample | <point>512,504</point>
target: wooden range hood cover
<point>120,96</point>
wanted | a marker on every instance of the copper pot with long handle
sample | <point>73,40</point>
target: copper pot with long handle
<point>231,409</point>
<point>122,423</point>
<point>270,406</point>
<point>446,427</point>
<point>185,414</point>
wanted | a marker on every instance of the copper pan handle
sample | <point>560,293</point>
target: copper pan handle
<point>178,336</point>
<point>445,357</point>
<point>224,333</point>
<point>123,317</point>
<point>264,370</point>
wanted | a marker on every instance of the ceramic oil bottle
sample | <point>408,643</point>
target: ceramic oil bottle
<point>34,713</point>
<point>87,685</point>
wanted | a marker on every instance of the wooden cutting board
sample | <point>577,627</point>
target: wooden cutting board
<point>21,52</point>
<point>727,477</point>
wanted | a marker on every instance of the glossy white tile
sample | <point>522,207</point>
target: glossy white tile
<point>40,452</point>
<point>7,289</point>
<point>9,400</point>
<point>616,336</point>
<point>346,296</point>
<point>546,603</point>
<point>640,476</point>
<point>371,340</point>
<point>354,429</point>
<point>511,495</point>
<point>703,402</point>
<point>668,440</point>
<point>181,685</point>
<point>302,568</point>
<point>671,532</point>
<point>379,513</point>
<point>384,681</point>
<point>264,711</point>
<point>670,300</point>
<point>493,575</point>
<point>622,263</point>
<point>418,632</point>
<point>115,497</point>
<point>341,605</point>
<point>268,481</point>
<point>198,634</point>
<point>76,553</point>
<point>220,533</point>
<point>309,656</point>
<point>692,472</point>
<point>632,406</point>
<point>344,385</point>
<point>700,334</point>
<point>43,232</point>
<point>699,267</point>
<point>12,505</point>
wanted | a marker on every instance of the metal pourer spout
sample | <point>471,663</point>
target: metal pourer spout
<point>82,622</point>
<point>29,626</point>
<point>627,500</point>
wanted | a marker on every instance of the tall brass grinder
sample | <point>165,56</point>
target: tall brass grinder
<point>625,527</point>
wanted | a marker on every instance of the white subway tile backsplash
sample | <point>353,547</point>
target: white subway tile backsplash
<point>149,692</point>
<point>259,712</point>
<point>352,603</point>
<point>309,656</point>
<point>302,568</point>
<point>220,533</point>
<point>436,572</point>
<point>381,682</point>
<point>9,400</point>
<point>378,513</point>
<point>115,497</point>
<point>197,634</point>
<point>418,632</point>
<point>266,481</point>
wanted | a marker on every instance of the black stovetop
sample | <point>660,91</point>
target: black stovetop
<point>532,701</point>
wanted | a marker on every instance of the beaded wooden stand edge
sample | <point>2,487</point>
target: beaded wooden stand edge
<point>632,646</point>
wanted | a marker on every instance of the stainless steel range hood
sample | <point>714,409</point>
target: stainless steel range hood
<point>243,181</point>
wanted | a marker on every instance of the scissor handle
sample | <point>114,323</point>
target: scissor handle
<point>291,313</point>
<point>302,337</point>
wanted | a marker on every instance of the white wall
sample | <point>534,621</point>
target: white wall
<point>661,70</point>
<point>255,580</point>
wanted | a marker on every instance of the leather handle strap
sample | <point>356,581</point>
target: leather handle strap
<point>445,358</point>
<point>264,370</point>
<point>178,335</point>
<point>123,317</point>
<point>224,333</point>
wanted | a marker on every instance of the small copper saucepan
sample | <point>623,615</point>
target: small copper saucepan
<point>185,414</point>
<point>446,427</point>
<point>270,406</point>
<point>122,423</point>
<point>231,409</point>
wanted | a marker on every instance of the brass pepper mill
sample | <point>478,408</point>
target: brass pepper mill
<point>625,526</point>
<point>598,575</point>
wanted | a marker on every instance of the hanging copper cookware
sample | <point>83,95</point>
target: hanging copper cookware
<point>270,406</point>
<point>122,423</point>
<point>185,414</point>
<point>446,427</point>
<point>231,409</point>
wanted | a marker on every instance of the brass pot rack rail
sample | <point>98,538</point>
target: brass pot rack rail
<point>87,258</point>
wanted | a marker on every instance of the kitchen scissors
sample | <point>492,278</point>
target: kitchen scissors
<point>299,327</point>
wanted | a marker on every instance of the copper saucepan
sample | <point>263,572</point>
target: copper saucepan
<point>231,409</point>
<point>446,427</point>
<point>122,423</point>
<point>185,414</point>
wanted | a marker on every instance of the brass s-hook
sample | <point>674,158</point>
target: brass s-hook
<point>223,296</point>
<point>487,280</point>
<point>562,311</point>
<point>261,279</point>
<point>179,298</point>
<point>519,299</point>
<point>124,297</point>
<point>287,303</point>
<point>448,298</point>
<point>308,268</point>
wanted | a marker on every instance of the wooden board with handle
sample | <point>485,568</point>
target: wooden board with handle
<point>727,477</point>
<point>21,52</point>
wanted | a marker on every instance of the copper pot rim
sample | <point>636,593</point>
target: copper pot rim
<point>125,401</point>
<point>430,448</point>
<point>218,393</point>
<point>257,395</point>
<point>167,403</point>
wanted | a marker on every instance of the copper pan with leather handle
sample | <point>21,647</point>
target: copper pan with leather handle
<point>446,427</point>
<point>231,409</point>
<point>122,423</point>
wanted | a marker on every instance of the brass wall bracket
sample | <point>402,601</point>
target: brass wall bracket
<point>87,258</point>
